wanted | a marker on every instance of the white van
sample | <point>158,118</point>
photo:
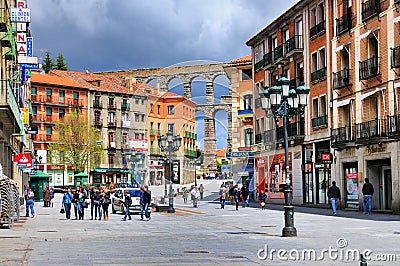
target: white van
<point>118,198</point>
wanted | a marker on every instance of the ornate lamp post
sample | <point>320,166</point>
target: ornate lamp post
<point>284,101</point>
<point>133,157</point>
<point>195,162</point>
<point>170,145</point>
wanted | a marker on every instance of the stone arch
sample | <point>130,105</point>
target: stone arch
<point>175,85</point>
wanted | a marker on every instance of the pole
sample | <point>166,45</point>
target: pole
<point>289,230</point>
<point>165,182</point>
<point>195,175</point>
<point>171,199</point>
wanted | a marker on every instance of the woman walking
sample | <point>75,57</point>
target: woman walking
<point>222,196</point>
<point>66,201</point>
<point>106,200</point>
<point>52,196</point>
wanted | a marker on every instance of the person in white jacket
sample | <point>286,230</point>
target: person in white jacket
<point>196,195</point>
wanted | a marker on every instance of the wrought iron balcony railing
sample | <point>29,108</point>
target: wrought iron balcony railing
<point>341,79</point>
<point>394,125</point>
<point>369,68</point>
<point>370,9</point>
<point>260,64</point>
<point>366,131</point>
<point>268,59</point>
<point>294,43</point>
<point>344,23</point>
<point>319,74</point>
<point>278,52</point>
<point>341,135</point>
<point>296,82</point>
<point>320,27</point>
<point>293,129</point>
<point>320,121</point>
<point>395,60</point>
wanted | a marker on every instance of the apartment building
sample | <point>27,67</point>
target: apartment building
<point>119,112</point>
<point>169,112</point>
<point>365,124</point>
<point>52,98</point>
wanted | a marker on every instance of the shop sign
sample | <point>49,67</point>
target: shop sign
<point>326,158</point>
<point>20,15</point>
<point>32,130</point>
<point>239,154</point>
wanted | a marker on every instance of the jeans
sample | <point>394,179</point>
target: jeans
<point>67,208</point>
<point>95,207</point>
<point>76,210</point>
<point>29,206</point>
<point>369,199</point>
<point>222,202</point>
<point>334,203</point>
<point>146,210</point>
<point>195,202</point>
<point>81,211</point>
<point>127,213</point>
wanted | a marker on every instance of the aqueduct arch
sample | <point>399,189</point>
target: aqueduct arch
<point>187,73</point>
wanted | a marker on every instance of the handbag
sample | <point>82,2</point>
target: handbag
<point>62,210</point>
<point>84,204</point>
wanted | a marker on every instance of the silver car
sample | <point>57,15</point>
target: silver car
<point>118,198</point>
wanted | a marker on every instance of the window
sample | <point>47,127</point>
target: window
<point>248,100</point>
<point>48,111</point>
<point>313,17</point>
<point>314,61</point>
<point>322,58</point>
<point>61,94</point>
<point>49,130</point>
<point>124,138</point>
<point>151,125</point>
<point>159,128</point>
<point>111,160</point>
<point>246,74</point>
<point>125,117</point>
<point>142,117</point>
<point>322,110</point>
<point>111,117</point>
<point>151,108</point>
<point>61,113</point>
<point>320,13</point>
<point>33,91</point>
<point>158,109</point>
<point>111,138</point>
<point>315,107</point>
<point>171,128</point>
<point>248,137</point>
<point>170,109</point>
<point>97,116</point>
<point>76,97</point>
<point>136,100</point>
<point>143,101</point>
<point>34,110</point>
<point>111,100</point>
<point>48,94</point>
<point>137,136</point>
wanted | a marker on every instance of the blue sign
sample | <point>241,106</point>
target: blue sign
<point>29,46</point>
<point>29,66</point>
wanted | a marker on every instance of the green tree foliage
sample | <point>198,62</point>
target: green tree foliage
<point>47,64</point>
<point>76,145</point>
<point>61,65</point>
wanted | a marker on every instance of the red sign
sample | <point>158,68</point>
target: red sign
<point>326,158</point>
<point>244,148</point>
<point>23,159</point>
<point>352,176</point>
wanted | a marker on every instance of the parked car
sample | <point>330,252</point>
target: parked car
<point>118,198</point>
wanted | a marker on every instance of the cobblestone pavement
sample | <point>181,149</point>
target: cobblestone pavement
<point>206,235</point>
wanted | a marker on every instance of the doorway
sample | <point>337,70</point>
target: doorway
<point>385,188</point>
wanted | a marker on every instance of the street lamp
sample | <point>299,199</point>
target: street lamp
<point>170,145</point>
<point>195,162</point>
<point>133,157</point>
<point>284,101</point>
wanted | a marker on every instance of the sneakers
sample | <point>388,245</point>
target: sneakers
<point>33,216</point>
<point>123,219</point>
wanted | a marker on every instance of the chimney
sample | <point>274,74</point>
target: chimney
<point>129,84</point>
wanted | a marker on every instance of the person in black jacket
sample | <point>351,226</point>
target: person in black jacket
<point>146,201</point>
<point>334,195</point>
<point>368,191</point>
<point>127,203</point>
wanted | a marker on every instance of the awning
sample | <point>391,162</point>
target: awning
<point>338,49</point>
<point>365,95</point>
<point>397,85</point>
<point>365,35</point>
<point>397,19</point>
<point>344,102</point>
<point>81,174</point>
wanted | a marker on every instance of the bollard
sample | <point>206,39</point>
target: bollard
<point>363,262</point>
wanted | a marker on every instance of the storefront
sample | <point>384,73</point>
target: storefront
<point>109,176</point>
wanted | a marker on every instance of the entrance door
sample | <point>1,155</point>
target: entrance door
<point>385,189</point>
<point>323,180</point>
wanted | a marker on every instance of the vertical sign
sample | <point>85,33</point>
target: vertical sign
<point>29,46</point>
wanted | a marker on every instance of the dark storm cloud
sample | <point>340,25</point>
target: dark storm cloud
<point>109,35</point>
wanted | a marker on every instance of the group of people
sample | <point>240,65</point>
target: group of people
<point>145,201</point>
<point>48,196</point>
<point>367,191</point>
<point>98,199</point>
<point>196,194</point>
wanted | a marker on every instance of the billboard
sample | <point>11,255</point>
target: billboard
<point>138,144</point>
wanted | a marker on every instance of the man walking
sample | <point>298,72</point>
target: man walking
<point>368,191</point>
<point>127,203</point>
<point>201,189</point>
<point>146,201</point>
<point>334,195</point>
<point>195,194</point>
<point>30,198</point>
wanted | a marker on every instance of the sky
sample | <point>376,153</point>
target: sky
<point>105,35</point>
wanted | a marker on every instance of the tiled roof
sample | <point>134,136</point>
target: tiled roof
<point>221,152</point>
<point>244,59</point>
<point>54,80</point>
<point>98,82</point>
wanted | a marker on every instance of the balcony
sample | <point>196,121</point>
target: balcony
<point>293,45</point>
<point>395,60</point>
<point>125,106</point>
<point>369,68</point>
<point>319,122</point>
<point>98,123</point>
<point>394,125</point>
<point>370,130</point>
<point>159,132</point>
<point>293,130</point>
<point>112,105</point>
<point>318,75</point>
<point>259,65</point>
<point>341,79</point>
<point>152,132</point>
<point>258,138</point>
<point>317,29</point>
<point>96,103</point>
<point>370,9</point>
<point>278,52</point>
<point>268,59</point>
<point>341,136</point>
<point>155,151</point>
<point>344,23</point>
<point>112,123</point>
<point>296,82</point>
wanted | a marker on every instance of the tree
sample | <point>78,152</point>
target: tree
<point>76,145</point>
<point>47,63</point>
<point>61,65</point>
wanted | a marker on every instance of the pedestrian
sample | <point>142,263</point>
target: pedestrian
<point>30,200</point>
<point>76,202</point>
<point>201,189</point>
<point>195,195</point>
<point>127,203</point>
<point>52,196</point>
<point>68,198</point>
<point>244,195</point>
<point>82,204</point>
<point>334,195</point>
<point>95,204</point>
<point>147,202</point>
<point>368,192</point>
<point>46,196</point>
<point>222,196</point>
<point>141,203</point>
<point>262,197</point>
<point>236,196</point>
<point>105,203</point>
<point>185,195</point>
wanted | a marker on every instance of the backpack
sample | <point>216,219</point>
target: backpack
<point>31,195</point>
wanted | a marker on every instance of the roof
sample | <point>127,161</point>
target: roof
<point>97,82</point>
<point>244,59</point>
<point>221,152</point>
<point>54,80</point>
